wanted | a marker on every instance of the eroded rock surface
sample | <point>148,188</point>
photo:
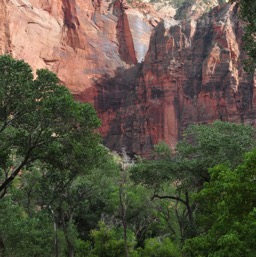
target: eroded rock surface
<point>79,40</point>
<point>192,73</point>
<point>148,72</point>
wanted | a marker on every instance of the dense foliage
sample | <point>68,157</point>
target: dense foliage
<point>178,177</point>
<point>41,123</point>
<point>226,212</point>
<point>47,143</point>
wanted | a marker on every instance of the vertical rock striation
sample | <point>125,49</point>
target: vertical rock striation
<point>192,73</point>
<point>148,74</point>
<point>4,29</point>
<point>78,40</point>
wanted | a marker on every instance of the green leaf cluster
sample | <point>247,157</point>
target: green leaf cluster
<point>226,212</point>
<point>179,176</point>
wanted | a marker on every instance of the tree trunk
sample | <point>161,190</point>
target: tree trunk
<point>123,218</point>
<point>70,246</point>
<point>2,254</point>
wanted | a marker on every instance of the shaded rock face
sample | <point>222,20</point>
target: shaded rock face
<point>148,75</point>
<point>200,66</point>
<point>192,73</point>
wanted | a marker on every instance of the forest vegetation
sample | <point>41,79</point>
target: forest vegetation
<point>62,193</point>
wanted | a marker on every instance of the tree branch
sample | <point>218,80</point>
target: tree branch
<point>169,197</point>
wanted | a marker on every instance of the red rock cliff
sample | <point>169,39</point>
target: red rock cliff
<point>192,73</point>
<point>149,76</point>
<point>79,40</point>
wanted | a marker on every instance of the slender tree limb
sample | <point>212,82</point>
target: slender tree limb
<point>169,197</point>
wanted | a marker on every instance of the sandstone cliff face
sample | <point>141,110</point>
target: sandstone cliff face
<point>149,75</point>
<point>192,73</point>
<point>79,40</point>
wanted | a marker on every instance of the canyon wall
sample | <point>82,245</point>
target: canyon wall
<point>192,73</point>
<point>79,40</point>
<point>148,74</point>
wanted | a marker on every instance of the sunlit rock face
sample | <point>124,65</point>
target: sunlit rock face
<point>81,41</point>
<point>148,73</point>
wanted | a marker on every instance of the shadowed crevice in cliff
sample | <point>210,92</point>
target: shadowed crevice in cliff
<point>124,35</point>
<point>71,24</point>
<point>134,116</point>
<point>118,107</point>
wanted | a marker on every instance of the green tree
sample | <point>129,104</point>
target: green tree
<point>47,141</point>
<point>175,177</point>
<point>226,212</point>
<point>156,247</point>
<point>77,202</point>
<point>204,146</point>
<point>23,235</point>
<point>71,208</point>
<point>40,121</point>
<point>109,242</point>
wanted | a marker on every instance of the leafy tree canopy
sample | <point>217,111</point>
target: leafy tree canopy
<point>177,176</point>
<point>226,212</point>
<point>40,122</point>
<point>202,147</point>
